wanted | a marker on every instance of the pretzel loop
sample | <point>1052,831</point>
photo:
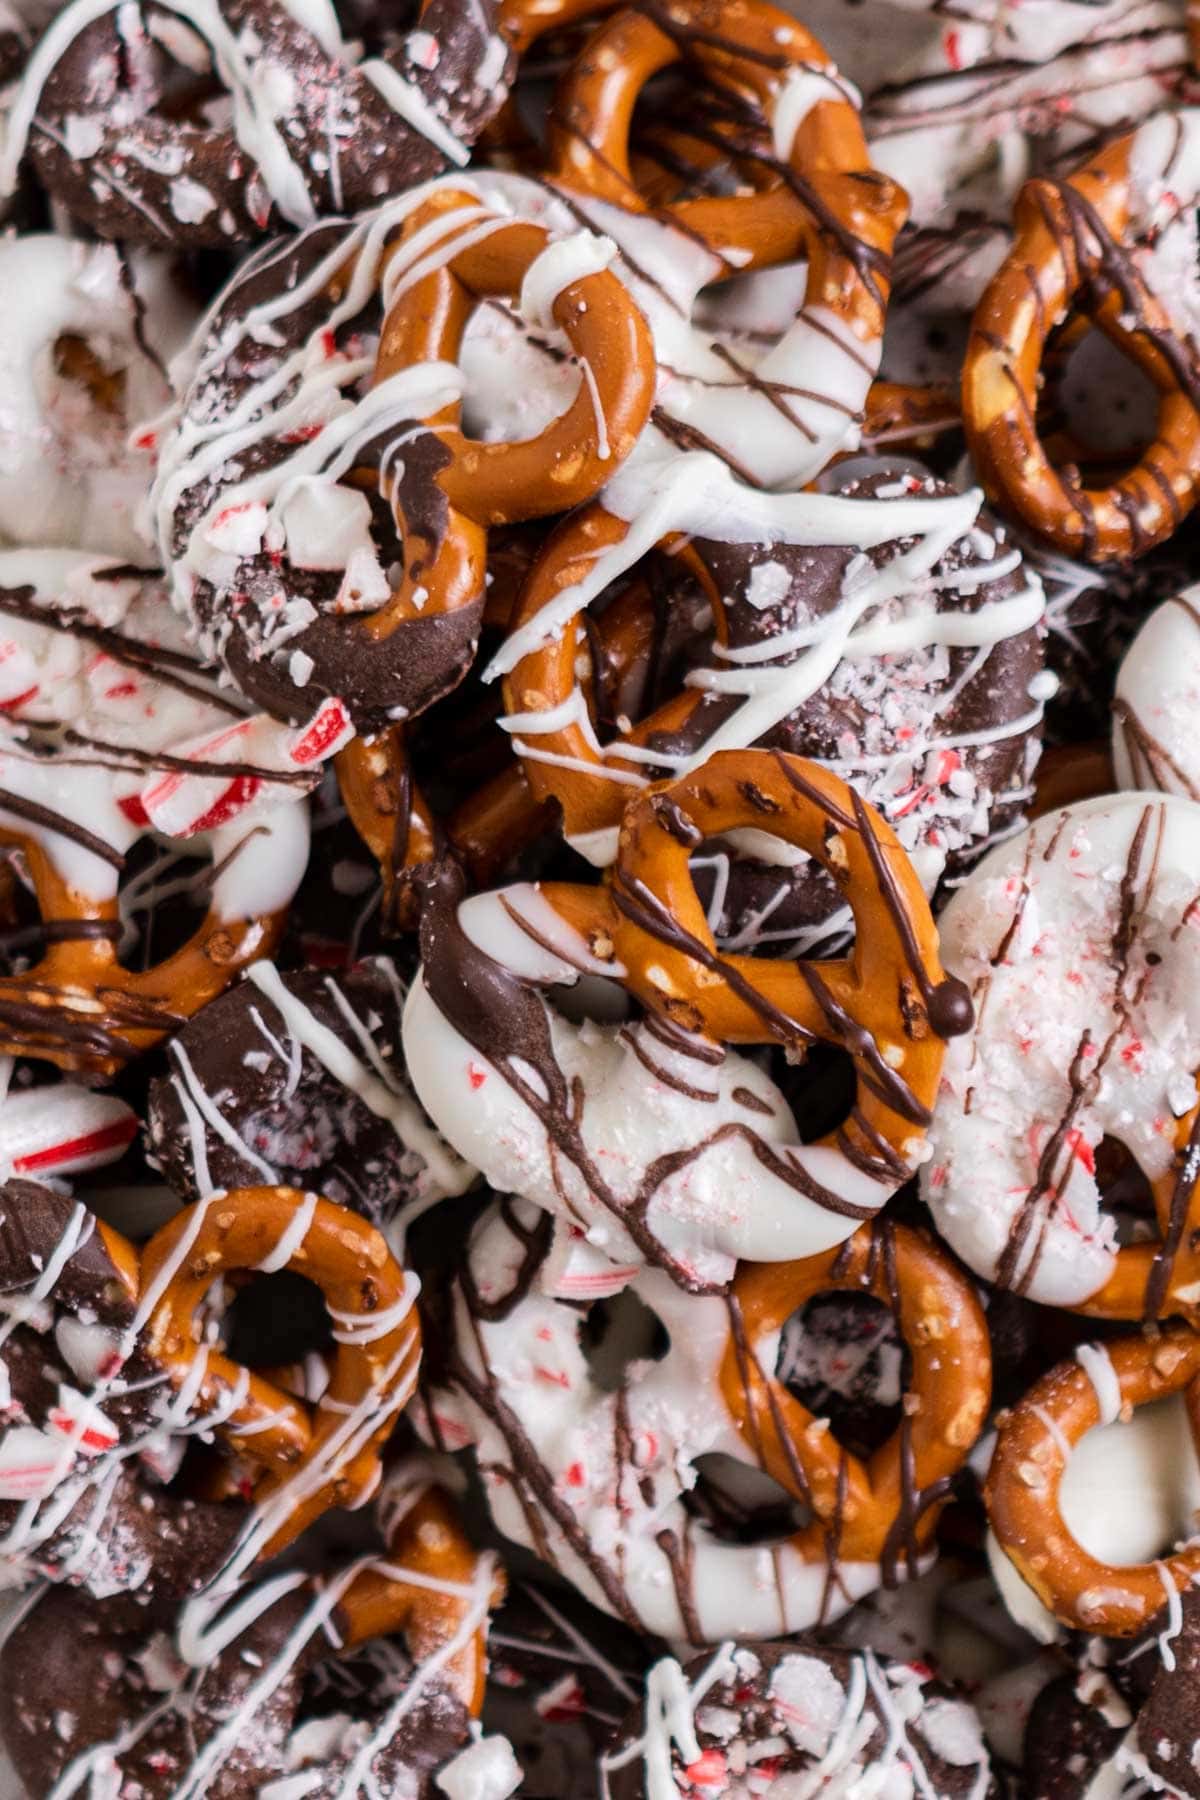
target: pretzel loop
<point>815,194</point>
<point>884,1509</point>
<point>311,1458</point>
<point>1023,1488</point>
<point>1069,258</point>
<point>78,1006</point>
<point>571,459</point>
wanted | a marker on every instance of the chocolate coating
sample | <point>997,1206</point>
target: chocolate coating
<point>314,1132</point>
<point>122,137</point>
<point>251,622</point>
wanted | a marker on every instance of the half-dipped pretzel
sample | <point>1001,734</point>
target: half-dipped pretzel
<point>909,667</point>
<point>282,567</point>
<point>1081,247</point>
<point>112,734</point>
<point>1101,1386</point>
<point>316,130</point>
<point>1076,940</point>
<point>87,1429</point>
<point>310,1459</point>
<point>714,1170</point>
<point>592,1479</point>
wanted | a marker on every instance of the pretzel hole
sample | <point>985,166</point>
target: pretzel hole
<point>843,1357</point>
<point>742,1504</point>
<point>78,364</point>
<point>618,1332</point>
<point>274,1319</point>
<point>163,896</point>
<point>821,1090</point>
<point>1096,405</point>
<point>1125,1191</point>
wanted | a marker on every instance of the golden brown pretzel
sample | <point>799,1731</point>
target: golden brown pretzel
<point>311,1457</point>
<point>1069,257</point>
<point>820,198</point>
<point>1022,1488</point>
<point>78,1006</point>
<point>888,1002</point>
<point>422,1587</point>
<point>882,1510</point>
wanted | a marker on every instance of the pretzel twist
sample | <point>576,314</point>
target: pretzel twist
<point>78,1006</point>
<point>552,1466</point>
<point>311,1458</point>
<point>814,194</point>
<point>1071,256</point>
<point>1023,1488</point>
<point>883,1510</point>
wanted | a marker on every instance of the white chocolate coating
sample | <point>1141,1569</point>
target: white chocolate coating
<point>739,1187</point>
<point>1077,940</point>
<point>68,471</point>
<point>622,1502</point>
<point>1154,738</point>
<point>128,710</point>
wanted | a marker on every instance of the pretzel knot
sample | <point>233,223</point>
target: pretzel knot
<point>311,1457</point>
<point>1023,1491</point>
<point>593,1480</point>
<point>1076,251</point>
<point>784,118</point>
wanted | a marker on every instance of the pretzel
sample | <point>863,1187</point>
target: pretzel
<point>423,1587</point>
<point>1077,251</point>
<point>491,826</point>
<point>749,694</point>
<point>401,649</point>
<point>240,1718</point>
<point>90,329</point>
<point>1079,933</point>
<point>110,732</point>
<point>124,150</point>
<point>714,1171</point>
<point>592,1480</point>
<point>310,1459</point>
<point>817,195</point>
<point>1023,1486</point>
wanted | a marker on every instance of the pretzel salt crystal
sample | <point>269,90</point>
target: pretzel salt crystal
<point>592,1480</point>
<point>1076,250</point>
<point>311,1458</point>
<point>1023,1488</point>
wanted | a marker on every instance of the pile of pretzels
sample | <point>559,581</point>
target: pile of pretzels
<point>599,858</point>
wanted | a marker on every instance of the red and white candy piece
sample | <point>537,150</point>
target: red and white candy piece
<point>62,1129</point>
